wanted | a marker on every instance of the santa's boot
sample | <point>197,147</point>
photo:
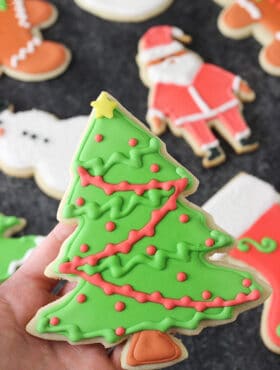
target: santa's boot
<point>23,55</point>
<point>213,157</point>
<point>40,13</point>
<point>270,56</point>
<point>152,348</point>
<point>247,145</point>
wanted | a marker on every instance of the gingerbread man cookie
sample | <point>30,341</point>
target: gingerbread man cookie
<point>23,53</point>
<point>139,253</point>
<point>191,96</point>
<point>249,209</point>
<point>125,10</point>
<point>259,18</point>
<point>36,143</point>
<point>14,251</point>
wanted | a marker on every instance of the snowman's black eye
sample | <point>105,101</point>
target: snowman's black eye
<point>46,140</point>
<point>24,133</point>
<point>33,136</point>
<point>1,122</point>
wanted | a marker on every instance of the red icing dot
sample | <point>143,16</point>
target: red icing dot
<point>84,248</point>
<point>98,138</point>
<point>209,242</point>
<point>54,321</point>
<point>120,306</point>
<point>80,201</point>
<point>110,226</point>
<point>154,167</point>
<point>184,218</point>
<point>81,298</point>
<point>181,276</point>
<point>206,294</point>
<point>151,250</point>
<point>247,283</point>
<point>132,141</point>
<point>120,331</point>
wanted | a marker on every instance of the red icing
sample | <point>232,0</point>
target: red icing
<point>54,321</point>
<point>80,201</point>
<point>206,294</point>
<point>181,276</point>
<point>120,306</point>
<point>160,35</point>
<point>247,283</point>
<point>154,167</point>
<point>151,250</point>
<point>81,298</point>
<point>98,138</point>
<point>184,218</point>
<point>84,248</point>
<point>120,331</point>
<point>209,242</point>
<point>132,142</point>
<point>2,131</point>
<point>110,226</point>
<point>267,264</point>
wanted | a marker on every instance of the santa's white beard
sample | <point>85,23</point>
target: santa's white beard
<point>178,70</point>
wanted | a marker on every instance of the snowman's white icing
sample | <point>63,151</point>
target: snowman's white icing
<point>127,9</point>
<point>37,142</point>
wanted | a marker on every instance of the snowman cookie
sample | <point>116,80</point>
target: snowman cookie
<point>24,55</point>
<point>14,251</point>
<point>192,96</point>
<point>125,10</point>
<point>36,143</point>
<point>259,18</point>
<point>249,208</point>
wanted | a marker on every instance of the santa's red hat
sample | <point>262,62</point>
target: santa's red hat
<point>159,42</point>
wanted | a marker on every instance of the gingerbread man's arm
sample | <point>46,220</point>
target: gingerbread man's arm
<point>40,13</point>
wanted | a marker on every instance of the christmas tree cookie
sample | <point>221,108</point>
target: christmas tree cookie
<point>24,55</point>
<point>14,251</point>
<point>140,251</point>
<point>249,209</point>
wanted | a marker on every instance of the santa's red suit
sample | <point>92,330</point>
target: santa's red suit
<point>208,97</point>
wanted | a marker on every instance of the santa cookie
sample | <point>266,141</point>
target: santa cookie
<point>14,251</point>
<point>36,143</point>
<point>125,10</point>
<point>23,53</point>
<point>139,253</point>
<point>249,209</point>
<point>191,96</point>
<point>260,18</point>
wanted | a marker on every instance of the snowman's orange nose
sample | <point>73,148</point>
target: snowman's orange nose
<point>2,131</point>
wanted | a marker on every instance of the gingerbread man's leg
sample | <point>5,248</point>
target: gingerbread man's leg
<point>236,21</point>
<point>204,143</point>
<point>40,13</point>
<point>235,130</point>
<point>154,348</point>
<point>270,56</point>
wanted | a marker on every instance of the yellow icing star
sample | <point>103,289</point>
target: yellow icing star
<point>104,106</point>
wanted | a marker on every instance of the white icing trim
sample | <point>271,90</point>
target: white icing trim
<point>198,99</point>
<point>177,32</point>
<point>154,113</point>
<point>206,115</point>
<point>24,52</point>
<point>214,144</point>
<point>236,83</point>
<point>241,202</point>
<point>277,36</point>
<point>21,14</point>
<point>251,8</point>
<point>159,52</point>
<point>14,265</point>
<point>243,134</point>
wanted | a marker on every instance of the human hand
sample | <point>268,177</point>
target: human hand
<point>20,298</point>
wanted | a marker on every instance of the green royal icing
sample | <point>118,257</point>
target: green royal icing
<point>3,5</point>
<point>267,245</point>
<point>12,250</point>
<point>180,246</point>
